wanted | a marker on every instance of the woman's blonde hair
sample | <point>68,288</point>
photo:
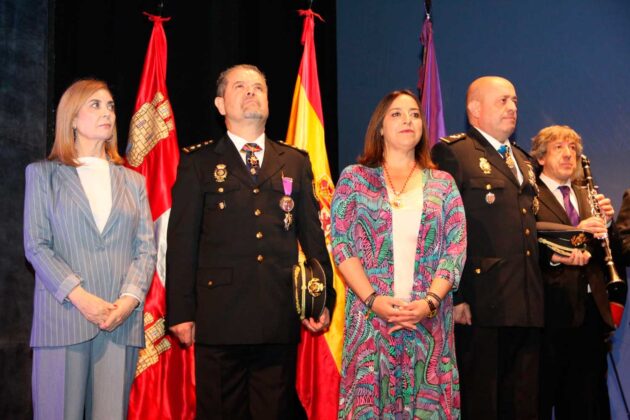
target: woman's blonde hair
<point>71,101</point>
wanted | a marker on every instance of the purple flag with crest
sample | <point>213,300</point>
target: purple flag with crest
<point>429,85</point>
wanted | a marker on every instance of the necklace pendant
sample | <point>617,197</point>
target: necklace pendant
<point>396,203</point>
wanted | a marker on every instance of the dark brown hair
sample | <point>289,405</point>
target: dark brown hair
<point>374,145</point>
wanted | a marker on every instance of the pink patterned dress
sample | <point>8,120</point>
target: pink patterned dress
<point>408,374</point>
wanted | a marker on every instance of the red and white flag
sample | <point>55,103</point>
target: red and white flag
<point>164,387</point>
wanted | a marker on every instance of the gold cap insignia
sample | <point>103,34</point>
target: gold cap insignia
<point>579,239</point>
<point>315,287</point>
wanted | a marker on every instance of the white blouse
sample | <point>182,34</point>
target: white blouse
<point>406,227</point>
<point>96,181</point>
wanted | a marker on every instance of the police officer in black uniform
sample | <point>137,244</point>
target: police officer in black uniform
<point>240,206</point>
<point>499,304</point>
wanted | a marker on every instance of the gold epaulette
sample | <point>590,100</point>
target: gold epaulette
<point>195,147</point>
<point>453,138</point>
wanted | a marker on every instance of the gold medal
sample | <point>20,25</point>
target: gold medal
<point>490,197</point>
<point>509,160</point>
<point>286,203</point>
<point>485,165</point>
<point>220,172</point>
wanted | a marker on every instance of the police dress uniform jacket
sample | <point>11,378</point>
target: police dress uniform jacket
<point>230,258</point>
<point>501,280</point>
<point>566,286</point>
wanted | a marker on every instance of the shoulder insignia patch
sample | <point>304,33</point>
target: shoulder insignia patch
<point>453,138</point>
<point>195,147</point>
<point>282,143</point>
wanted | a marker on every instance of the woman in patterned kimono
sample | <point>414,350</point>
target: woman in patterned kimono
<point>399,239</point>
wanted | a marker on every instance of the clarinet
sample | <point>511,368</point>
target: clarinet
<point>616,287</point>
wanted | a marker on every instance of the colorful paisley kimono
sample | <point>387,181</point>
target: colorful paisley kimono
<point>408,374</point>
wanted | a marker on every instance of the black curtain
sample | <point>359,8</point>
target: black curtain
<point>108,40</point>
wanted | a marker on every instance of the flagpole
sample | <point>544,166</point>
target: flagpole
<point>160,7</point>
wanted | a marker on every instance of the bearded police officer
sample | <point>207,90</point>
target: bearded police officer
<point>240,206</point>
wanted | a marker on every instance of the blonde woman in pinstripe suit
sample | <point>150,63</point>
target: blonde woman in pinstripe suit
<point>88,233</point>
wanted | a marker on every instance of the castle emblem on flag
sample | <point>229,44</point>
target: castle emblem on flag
<point>150,124</point>
<point>156,343</point>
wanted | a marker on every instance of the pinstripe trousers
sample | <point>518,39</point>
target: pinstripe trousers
<point>90,380</point>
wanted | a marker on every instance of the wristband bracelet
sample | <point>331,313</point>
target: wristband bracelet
<point>369,301</point>
<point>432,308</point>
<point>436,297</point>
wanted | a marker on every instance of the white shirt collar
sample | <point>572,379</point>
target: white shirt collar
<point>553,184</point>
<point>239,142</point>
<point>494,142</point>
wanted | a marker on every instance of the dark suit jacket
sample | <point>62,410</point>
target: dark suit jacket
<point>623,225</point>
<point>566,286</point>
<point>229,258</point>
<point>501,279</point>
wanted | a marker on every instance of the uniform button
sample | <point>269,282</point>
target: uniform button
<point>222,205</point>
<point>259,235</point>
<point>260,258</point>
<point>256,191</point>
<point>477,270</point>
<point>221,189</point>
<point>524,211</point>
<point>210,283</point>
<point>528,253</point>
<point>488,187</point>
<point>527,232</point>
<point>257,212</point>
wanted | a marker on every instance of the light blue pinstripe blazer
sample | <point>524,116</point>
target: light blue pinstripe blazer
<point>65,247</point>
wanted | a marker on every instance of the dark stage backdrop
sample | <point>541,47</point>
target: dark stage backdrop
<point>47,44</point>
<point>108,40</point>
<point>568,59</point>
<point>23,91</point>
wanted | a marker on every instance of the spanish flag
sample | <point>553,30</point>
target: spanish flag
<point>164,387</point>
<point>319,357</point>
